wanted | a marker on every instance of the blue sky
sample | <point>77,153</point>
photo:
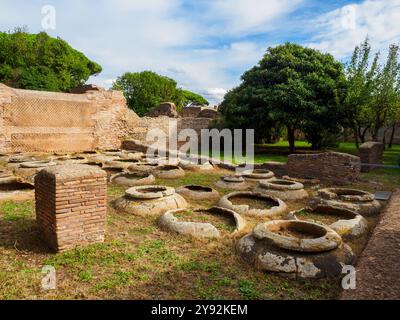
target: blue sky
<point>205,44</point>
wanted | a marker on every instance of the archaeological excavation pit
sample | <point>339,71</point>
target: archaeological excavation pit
<point>253,204</point>
<point>233,182</point>
<point>348,224</point>
<point>282,189</point>
<point>203,223</point>
<point>258,174</point>
<point>302,248</point>
<point>132,179</point>
<point>149,200</point>
<point>359,201</point>
<point>194,192</point>
<point>168,172</point>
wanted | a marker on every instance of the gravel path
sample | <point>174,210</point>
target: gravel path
<point>378,268</point>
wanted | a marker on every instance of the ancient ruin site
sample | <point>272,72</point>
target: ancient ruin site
<point>244,154</point>
<point>80,193</point>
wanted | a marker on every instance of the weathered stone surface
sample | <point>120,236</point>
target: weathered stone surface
<point>71,205</point>
<point>350,224</point>
<point>198,229</point>
<point>233,183</point>
<point>196,166</point>
<point>192,192</point>
<point>149,200</point>
<point>266,256</point>
<point>132,179</point>
<point>377,268</point>
<point>318,238</point>
<point>167,109</point>
<point>282,189</point>
<point>52,121</point>
<point>208,113</point>
<point>168,172</point>
<point>328,167</point>
<point>358,201</point>
<point>257,174</point>
<point>371,153</point>
<point>277,210</point>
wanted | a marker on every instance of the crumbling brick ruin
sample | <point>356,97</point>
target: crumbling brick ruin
<point>92,118</point>
<point>71,205</point>
<point>371,153</point>
<point>328,167</point>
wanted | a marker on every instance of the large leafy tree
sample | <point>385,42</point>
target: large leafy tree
<point>191,97</point>
<point>373,95</point>
<point>40,62</point>
<point>292,86</point>
<point>145,90</point>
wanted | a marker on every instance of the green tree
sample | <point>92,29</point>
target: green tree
<point>191,97</point>
<point>145,90</point>
<point>40,62</point>
<point>362,86</point>
<point>386,99</point>
<point>292,86</point>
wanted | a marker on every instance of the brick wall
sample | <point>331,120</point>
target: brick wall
<point>51,121</point>
<point>71,204</point>
<point>329,167</point>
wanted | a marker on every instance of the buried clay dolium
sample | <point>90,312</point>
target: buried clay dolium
<point>233,182</point>
<point>282,189</point>
<point>304,249</point>
<point>193,192</point>
<point>253,204</point>
<point>132,179</point>
<point>183,221</point>
<point>359,201</point>
<point>347,223</point>
<point>149,200</point>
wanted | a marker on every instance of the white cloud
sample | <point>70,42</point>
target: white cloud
<point>342,29</point>
<point>214,94</point>
<point>251,15</point>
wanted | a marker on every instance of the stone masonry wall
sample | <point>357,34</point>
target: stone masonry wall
<point>371,153</point>
<point>51,121</point>
<point>71,204</point>
<point>329,167</point>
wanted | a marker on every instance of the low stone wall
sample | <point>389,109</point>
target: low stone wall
<point>371,153</point>
<point>71,205</point>
<point>165,124</point>
<point>328,167</point>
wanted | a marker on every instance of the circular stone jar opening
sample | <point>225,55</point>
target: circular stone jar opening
<point>194,192</point>
<point>132,179</point>
<point>149,192</point>
<point>346,194</point>
<point>258,174</point>
<point>300,236</point>
<point>253,204</point>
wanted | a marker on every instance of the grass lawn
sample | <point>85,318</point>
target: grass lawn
<point>139,261</point>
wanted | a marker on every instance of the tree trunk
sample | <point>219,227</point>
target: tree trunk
<point>357,142</point>
<point>363,134</point>
<point>291,139</point>
<point>392,136</point>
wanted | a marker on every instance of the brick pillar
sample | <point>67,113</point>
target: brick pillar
<point>371,153</point>
<point>71,205</point>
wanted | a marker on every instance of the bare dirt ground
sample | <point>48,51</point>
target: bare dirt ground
<point>378,266</point>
